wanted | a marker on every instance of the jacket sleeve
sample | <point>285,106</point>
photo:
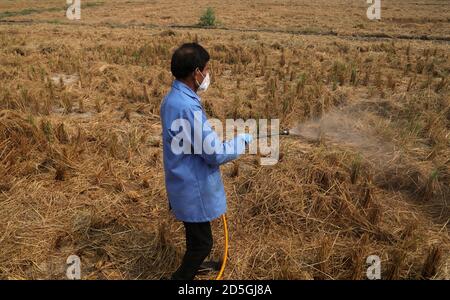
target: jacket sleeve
<point>207,143</point>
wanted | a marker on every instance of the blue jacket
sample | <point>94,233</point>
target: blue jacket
<point>193,179</point>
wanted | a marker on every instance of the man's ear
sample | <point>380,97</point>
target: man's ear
<point>194,74</point>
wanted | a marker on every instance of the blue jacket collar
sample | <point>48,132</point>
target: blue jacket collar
<point>185,89</point>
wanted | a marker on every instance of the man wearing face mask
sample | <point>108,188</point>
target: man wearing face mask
<point>193,180</point>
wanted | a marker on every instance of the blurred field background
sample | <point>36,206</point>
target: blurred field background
<point>80,150</point>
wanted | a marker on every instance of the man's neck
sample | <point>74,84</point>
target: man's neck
<point>190,84</point>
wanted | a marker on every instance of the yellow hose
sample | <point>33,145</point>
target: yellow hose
<point>225,254</point>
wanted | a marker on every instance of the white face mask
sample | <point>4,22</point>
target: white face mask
<point>205,83</point>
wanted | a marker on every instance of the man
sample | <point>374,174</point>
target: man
<point>193,179</point>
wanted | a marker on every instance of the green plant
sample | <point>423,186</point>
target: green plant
<point>208,19</point>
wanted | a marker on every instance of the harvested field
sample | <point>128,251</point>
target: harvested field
<point>80,137</point>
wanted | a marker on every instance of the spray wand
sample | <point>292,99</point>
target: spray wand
<point>283,132</point>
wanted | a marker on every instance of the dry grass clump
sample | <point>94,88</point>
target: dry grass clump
<point>313,205</point>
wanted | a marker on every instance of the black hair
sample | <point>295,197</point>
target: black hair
<point>187,58</point>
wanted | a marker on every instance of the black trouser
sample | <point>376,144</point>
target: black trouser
<point>199,242</point>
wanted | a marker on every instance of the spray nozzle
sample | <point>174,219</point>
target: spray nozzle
<point>282,132</point>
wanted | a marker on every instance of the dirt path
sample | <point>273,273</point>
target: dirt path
<point>367,37</point>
